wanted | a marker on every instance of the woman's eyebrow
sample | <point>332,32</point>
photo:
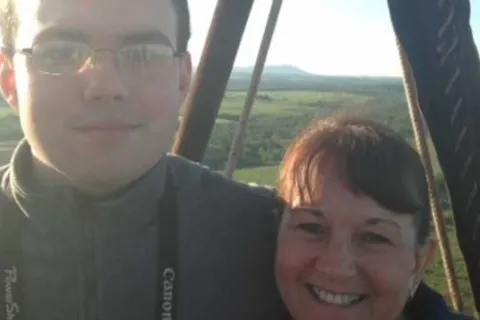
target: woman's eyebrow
<point>376,221</point>
<point>318,213</point>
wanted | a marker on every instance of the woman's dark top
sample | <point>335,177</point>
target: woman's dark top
<point>428,304</point>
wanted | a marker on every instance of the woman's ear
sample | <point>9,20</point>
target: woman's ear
<point>8,87</point>
<point>185,74</point>
<point>424,257</point>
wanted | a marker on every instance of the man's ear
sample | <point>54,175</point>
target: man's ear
<point>424,257</point>
<point>185,74</point>
<point>8,87</point>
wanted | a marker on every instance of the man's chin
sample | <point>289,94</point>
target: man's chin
<point>103,184</point>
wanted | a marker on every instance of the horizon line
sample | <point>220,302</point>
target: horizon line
<point>195,67</point>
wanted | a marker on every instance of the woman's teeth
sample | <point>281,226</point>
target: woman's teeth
<point>335,298</point>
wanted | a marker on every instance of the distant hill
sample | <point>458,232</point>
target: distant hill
<point>288,77</point>
<point>280,70</point>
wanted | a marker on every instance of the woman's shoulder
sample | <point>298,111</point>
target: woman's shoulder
<point>461,316</point>
<point>429,304</point>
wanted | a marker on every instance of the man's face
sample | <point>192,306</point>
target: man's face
<point>108,123</point>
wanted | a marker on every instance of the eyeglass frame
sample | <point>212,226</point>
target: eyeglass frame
<point>29,52</point>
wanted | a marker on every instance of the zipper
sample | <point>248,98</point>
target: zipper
<point>88,278</point>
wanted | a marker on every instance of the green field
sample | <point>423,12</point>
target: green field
<point>277,116</point>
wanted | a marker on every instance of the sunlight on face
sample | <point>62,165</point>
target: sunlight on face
<point>344,257</point>
<point>96,127</point>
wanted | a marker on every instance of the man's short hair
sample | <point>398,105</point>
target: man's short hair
<point>9,23</point>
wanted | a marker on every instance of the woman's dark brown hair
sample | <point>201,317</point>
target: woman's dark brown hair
<point>372,160</point>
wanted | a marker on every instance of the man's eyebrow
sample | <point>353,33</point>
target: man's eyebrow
<point>63,34</point>
<point>71,34</point>
<point>151,36</point>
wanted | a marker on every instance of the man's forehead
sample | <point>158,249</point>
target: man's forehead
<point>107,19</point>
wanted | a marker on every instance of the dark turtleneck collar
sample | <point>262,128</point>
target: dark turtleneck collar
<point>50,204</point>
<point>427,304</point>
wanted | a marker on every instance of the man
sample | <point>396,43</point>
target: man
<point>90,193</point>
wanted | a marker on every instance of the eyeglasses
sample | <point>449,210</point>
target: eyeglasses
<point>67,58</point>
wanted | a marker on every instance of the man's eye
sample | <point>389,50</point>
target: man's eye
<point>58,54</point>
<point>137,54</point>
<point>146,53</point>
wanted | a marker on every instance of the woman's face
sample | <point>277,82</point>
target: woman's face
<point>346,258</point>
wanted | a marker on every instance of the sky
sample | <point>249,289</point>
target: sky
<point>350,37</point>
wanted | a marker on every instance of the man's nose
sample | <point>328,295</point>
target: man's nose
<point>103,81</point>
<point>336,259</point>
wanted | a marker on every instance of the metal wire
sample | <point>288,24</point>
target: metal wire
<point>421,134</point>
<point>237,142</point>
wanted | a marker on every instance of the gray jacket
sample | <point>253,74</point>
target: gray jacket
<point>95,259</point>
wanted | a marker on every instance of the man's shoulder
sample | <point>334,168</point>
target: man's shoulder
<point>4,183</point>
<point>230,239</point>
<point>3,170</point>
<point>5,195</point>
<point>203,181</point>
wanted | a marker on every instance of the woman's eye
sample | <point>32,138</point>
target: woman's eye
<point>373,238</point>
<point>313,228</point>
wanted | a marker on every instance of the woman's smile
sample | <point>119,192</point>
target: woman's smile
<point>335,298</point>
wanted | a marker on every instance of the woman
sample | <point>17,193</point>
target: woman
<point>356,240</point>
